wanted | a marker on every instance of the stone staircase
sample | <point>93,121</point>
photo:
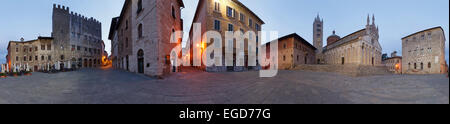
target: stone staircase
<point>350,70</point>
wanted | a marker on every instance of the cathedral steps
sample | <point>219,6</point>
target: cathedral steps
<point>349,70</point>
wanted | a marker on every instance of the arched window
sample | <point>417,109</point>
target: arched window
<point>415,65</point>
<point>429,64</point>
<point>140,30</point>
<point>42,58</point>
<point>421,66</point>
<point>409,65</point>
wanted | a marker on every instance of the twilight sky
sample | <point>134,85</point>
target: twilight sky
<point>395,18</point>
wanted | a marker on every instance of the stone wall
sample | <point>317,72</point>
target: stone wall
<point>36,53</point>
<point>423,52</point>
<point>76,38</point>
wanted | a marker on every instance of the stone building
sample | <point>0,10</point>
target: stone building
<point>423,52</point>
<point>75,43</point>
<point>113,36</point>
<point>140,36</point>
<point>393,63</point>
<point>358,48</point>
<point>77,39</point>
<point>223,16</point>
<point>37,54</point>
<point>293,50</point>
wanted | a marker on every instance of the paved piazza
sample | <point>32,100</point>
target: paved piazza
<point>103,86</point>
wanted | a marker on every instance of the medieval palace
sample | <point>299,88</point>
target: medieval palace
<point>75,43</point>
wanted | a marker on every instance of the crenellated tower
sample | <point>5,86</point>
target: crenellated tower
<point>60,23</point>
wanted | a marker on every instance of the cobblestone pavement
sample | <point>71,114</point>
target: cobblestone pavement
<point>100,86</point>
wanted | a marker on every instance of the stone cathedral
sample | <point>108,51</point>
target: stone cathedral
<point>358,48</point>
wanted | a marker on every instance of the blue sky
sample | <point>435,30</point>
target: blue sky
<point>395,18</point>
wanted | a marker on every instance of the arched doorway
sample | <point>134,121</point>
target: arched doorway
<point>61,66</point>
<point>140,57</point>
<point>85,63</point>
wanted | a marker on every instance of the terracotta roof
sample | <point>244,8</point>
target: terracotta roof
<point>296,36</point>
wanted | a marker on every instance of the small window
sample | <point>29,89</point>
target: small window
<point>49,47</point>
<point>139,6</point>
<point>31,58</point>
<point>284,58</point>
<point>17,58</point>
<point>42,47</point>
<point>217,25</point>
<point>126,25</point>
<point>429,64</point>
<point>230,11</point>
<point>140,31</point>
<point>42,58</point>
<point>24,58</point>
<point>421,66</point>
<point>36,58</point>
<point>126,42</point>
<point>49,58</point>
<point>257,27</point>
<point>217,6</point>
<point>250,23</point>
<point>173,13</point>
<point>241,17</point>
<point>230,27</point>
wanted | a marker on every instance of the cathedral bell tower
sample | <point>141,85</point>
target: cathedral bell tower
<point>318,38</point>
